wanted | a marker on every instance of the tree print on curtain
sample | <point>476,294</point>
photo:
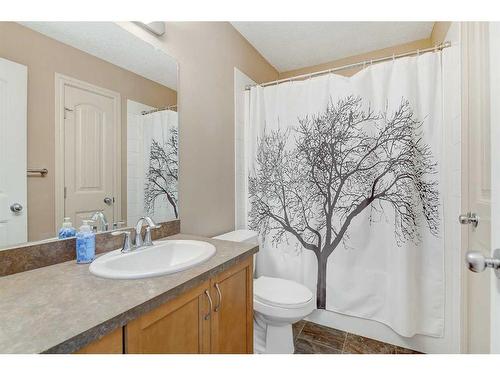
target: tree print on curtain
<point>162,175</point>
<point>311,181</point>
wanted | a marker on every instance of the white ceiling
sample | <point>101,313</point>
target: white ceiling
<point>293,45</point>
<point>112,43</point>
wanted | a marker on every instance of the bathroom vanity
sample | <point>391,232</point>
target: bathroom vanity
<point>63,308</point>
<point>213,317</point>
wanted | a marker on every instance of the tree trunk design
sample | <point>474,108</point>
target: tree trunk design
<point>321,283</point>
<point>162,175</point>
<point>310,182</point>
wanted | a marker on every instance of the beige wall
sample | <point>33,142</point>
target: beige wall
<point>44,57</point>
<point>437,36</point>
<point>207,53</point>
<point>439,32</point>
<point>402,48</point>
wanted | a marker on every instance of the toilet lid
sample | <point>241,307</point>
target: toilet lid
<point>281,292</point>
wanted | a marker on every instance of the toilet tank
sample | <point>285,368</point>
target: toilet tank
<point>241,235</point>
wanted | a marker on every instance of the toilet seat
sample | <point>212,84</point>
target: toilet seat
<point>281,293</point>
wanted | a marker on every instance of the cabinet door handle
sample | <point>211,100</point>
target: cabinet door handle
<point>219,302</point>
<point>206,317</point>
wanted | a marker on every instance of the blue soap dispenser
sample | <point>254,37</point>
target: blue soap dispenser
<point>85,243</point>
<point>67,229</point>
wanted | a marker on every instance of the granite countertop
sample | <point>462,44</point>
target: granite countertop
<point>62,308</point>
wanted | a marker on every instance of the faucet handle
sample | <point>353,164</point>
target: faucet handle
<point>147,238</point>
<point>148,241</point>
<point>127,242</point>
<point>93,225</point>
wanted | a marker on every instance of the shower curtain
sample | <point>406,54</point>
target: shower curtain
<point>345,189</point>
<point>160,168</point>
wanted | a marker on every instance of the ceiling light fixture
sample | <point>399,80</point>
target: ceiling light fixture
<point>157,28</point>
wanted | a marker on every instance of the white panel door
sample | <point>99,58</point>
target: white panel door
<point>13,99</point>
<point>479,183</point>
<point>89,144</point>
<point>494,43</point>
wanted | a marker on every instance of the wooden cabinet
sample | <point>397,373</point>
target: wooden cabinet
<point>178,326</point>
<point>232,320</point>
<point>214,317</point>
<point>112,343</point>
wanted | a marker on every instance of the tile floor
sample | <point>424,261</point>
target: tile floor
<point>311,338</point>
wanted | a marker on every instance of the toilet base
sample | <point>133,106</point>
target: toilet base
<point>279,339</point>
<point>272,339</point>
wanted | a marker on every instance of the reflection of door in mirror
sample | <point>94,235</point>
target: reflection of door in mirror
<point>93,69</point>
<point>90,151</point>
<point>13,101</point>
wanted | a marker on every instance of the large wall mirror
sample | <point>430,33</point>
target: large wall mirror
<point>88,129</point>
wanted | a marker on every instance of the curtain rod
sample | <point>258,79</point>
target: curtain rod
<point>159,109</point>
<point>437,47</point>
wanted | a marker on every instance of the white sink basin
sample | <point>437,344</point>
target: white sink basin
<point>163,258</point>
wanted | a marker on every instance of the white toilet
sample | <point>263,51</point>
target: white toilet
<point>277,303</point>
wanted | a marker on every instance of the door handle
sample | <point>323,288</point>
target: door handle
<point>206,317</point>
<point>469,218</point>
<point>16,208</point>
<point>219,302</point>
<point>108,201</point>
<point>477,262</point>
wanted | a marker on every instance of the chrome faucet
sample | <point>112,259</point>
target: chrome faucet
<point>139,241</point>
<point>101,222</point>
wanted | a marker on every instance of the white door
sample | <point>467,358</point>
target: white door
<point>478,178</point>
<point>89,153</point>
<point>13,99</point>
<point>494,42</point>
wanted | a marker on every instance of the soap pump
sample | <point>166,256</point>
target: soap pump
<point>67,229</point>
<point>85,243</point>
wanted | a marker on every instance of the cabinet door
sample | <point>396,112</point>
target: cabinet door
<point>112,343</point>
<point>178,326</point>
<point>232,316</point>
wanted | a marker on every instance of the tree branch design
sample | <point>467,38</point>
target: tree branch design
<point>162,176</point>
<point>312,181</point>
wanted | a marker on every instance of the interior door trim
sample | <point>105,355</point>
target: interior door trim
<point>60,82</point>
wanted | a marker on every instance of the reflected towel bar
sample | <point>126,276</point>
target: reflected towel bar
<point>41,171</point>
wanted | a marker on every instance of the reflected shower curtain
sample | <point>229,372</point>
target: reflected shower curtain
<point>160,173</point>
<point>345,189</point>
